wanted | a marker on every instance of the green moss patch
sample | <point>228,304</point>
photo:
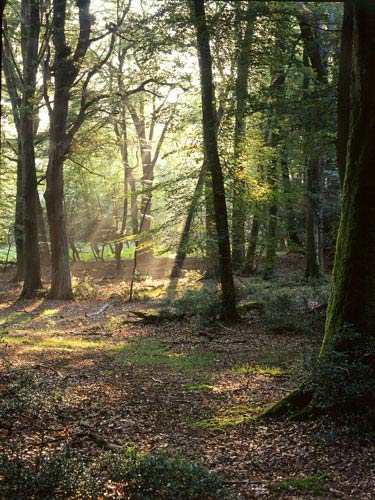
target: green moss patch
<point>312,485</point>
<point>197,387</point>
<point>231,418</point>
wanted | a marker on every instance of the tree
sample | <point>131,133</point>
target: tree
<point>21,84</point>
<point>244,38</point>
<point>352,299</point>
<point>212,158</point>
<point>30,27</point>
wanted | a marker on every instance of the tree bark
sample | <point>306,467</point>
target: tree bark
<point>30,27</point>
<point>229,310</point>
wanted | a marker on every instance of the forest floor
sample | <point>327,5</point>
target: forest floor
<point>105,375</point>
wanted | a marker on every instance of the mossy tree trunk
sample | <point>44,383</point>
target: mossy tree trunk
<point>352,299</point>
<point>229,310</point>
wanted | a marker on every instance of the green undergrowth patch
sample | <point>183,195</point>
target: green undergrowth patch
<point>53,343</point>
<point>312,485</point>
<point>250,368</point>
<point>232,417</point>
<point>149,351</point>
<point>198,387</point>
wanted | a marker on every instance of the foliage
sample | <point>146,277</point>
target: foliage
<point>130,475</point>
<point>344,379</point>
<point>85,288</point>
<point>160,477</point>
<point>201,304</point>
<point>291,305</point>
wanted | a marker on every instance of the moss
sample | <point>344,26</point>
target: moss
<point>312,485</point>
<point>197,387</point>
<point>231,418</point>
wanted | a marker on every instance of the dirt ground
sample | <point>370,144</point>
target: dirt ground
<point>175,386</point>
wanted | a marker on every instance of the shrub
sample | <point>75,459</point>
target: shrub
<point>344,379</point>
<point>85,288</point>
<point>159,477</point>
<point>204,305</point>
<point>129,475</point>
<point>289,308</point>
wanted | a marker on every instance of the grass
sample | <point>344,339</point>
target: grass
<point>148,351</point>
<point>311,485</point>
<point>53,343</point>
<point>14,318</point>
<point>233,417</point>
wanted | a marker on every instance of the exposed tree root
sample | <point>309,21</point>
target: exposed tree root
<point>297,406</point>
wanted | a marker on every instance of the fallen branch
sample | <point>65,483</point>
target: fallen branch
<point>100,441</point>
<point>40,366</point>
<point>101,310</point>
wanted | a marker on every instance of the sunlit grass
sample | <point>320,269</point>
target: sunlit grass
<point>249,368</point>
<point>53,343</point>
<point>146,351</point>
<point>49,312</point>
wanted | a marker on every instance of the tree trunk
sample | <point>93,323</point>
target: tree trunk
<point>241,95</point>
<point>250,266</point>
<point>45,256</point>
<point>352,299</point>
<point>13,84</point>
<point>18,223</point>
<point>315,165</point>
<point>30,40</point>
<point>294,237</point>
<point>211,247</point>
<point>66,68</point>
<point>229,310</point>
<point>314,226</point>
<point>343,89</point>
<point>184,240</point>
